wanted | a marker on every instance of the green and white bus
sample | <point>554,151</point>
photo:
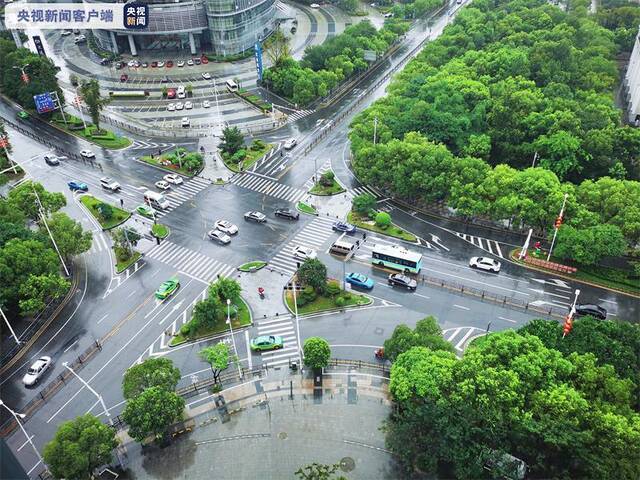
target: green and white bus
<point>396,257</point>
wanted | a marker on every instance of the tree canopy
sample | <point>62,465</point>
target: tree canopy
<point>152,412</point>
<point>317,352</point>
<point>153,372</point>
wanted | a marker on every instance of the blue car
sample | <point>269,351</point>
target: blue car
<point>75,186</point>
<point>359,280</point>
<point>344,227</point>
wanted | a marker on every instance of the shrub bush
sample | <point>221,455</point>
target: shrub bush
<point>339,301</point>
<point>333,288</point>
<point>383,219</point>
<point>184,330</point>
<point>258,144</point>
<point>327,178</point>
<point>238,156</point>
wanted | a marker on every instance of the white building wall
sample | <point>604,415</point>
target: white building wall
<point>632,83</point>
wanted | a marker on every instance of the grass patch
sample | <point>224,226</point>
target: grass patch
<point>104,138</point>
<point>323,303</point>
<point>614,278</point>
<point>251,157</point>
<point>117,217</point>
<point>333,189</point>
<point>191,162</point>
<point>121,266</point>
<point>241,320</point>
<point>252,266</point>
<point>159,230</point>
<point>391,231</point>
<point>308,209</point>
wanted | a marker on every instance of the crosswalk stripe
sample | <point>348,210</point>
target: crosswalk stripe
<point>271,329</point>
<point>279,319</point>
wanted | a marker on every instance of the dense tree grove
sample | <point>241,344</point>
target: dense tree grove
<point>29,264</point>
<point>563,412</point>
<point>324,66</point>
<point>622,17</point>
<point>507,84</point>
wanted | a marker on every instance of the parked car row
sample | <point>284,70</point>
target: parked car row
<point>163,63</point>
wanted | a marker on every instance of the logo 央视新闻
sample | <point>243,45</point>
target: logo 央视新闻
<point>136,16</point>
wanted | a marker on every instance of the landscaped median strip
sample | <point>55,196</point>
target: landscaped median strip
<point>109,216</point>
<point>391,231</point>
<point>252,266</point>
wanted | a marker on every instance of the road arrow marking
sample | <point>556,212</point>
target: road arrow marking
<point>437,241</point>
<point>554,281</point>
<point>542,292</point>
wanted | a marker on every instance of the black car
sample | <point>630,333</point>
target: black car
<point>595,311</point>
<point>343,227</point>
<point>400,280</point>
<point>164,80</point>
<point>51,160</point>
<point>120,65</point>
<point>287,213</point>
<point>255,217</point>
<point>105,61</point>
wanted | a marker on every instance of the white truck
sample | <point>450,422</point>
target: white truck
<point>109,184</point>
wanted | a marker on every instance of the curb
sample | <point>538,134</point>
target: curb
<point>573,279</point>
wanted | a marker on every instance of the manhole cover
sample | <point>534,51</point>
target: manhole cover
<point>282,435</point>
<point>347,464</point>
<point>378,331</point>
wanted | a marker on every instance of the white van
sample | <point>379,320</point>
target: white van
<point>180,92</point>
<point>341,247</point>
<point>156,200</point>
<point>232,86</point>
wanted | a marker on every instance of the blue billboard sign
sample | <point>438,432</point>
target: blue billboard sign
<point>44,103</point>
<point>258,52</point>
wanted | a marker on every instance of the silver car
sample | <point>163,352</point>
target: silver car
<point>487,264</point>
<point>255,216</point>
<point>219,237</point>
<point>226,227</point>
<point>36,371</point>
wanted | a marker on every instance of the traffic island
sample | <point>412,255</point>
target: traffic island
<point>103,138</point>
<point>251,267</point>
<point>179,161</point>
<point>245,157</point>
<point>109,216</point>
<point>385,228</point>
<point>126,262</point>
<point>327,185</point>
<point>307,209</point>
<point>160,231</point>
<point>334,298</point>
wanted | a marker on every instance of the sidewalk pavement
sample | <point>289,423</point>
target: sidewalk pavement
<point>263,432</point>
<point>334,206</point>
<point>273,283</point>
<point>214,167</point>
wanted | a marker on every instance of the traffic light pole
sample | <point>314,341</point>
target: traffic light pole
<point>568,323</point>
<point>557,225</point>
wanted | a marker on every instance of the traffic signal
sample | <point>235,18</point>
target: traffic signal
<point>25,77</point>
<point>558,222</point>
<point>568,325</point>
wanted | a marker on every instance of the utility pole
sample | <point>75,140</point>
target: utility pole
<point>13,334</point>
<point>44,220</point>
<point>535,157</point>
<point>375,129</point>
<point>295,309</point>
<point>99,397</point>
<point>557,225</point>
<point>233,339</point>
<point>568,322</point>
<point>17,417</point>
<point>523,252</point>
<point>77,99</point>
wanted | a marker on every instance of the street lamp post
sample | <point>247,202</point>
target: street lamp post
<point>77,99</point>
<point>557,227</point>
<point>13,334</point>
<point>295,311</point>
<point>233,339</point>
<point>44,220</point>
<point>375,129</point>
<point>18,416</point>
<point>104,407</point>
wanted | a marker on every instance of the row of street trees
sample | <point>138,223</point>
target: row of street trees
<point>567,407</point>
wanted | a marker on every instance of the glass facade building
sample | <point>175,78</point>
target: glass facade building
<point>222,27</point>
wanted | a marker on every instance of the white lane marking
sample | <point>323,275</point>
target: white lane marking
<point>464,339</point>
<point>105,316</point>
<point>25,442</point>
<point>132,293</point>
<point>542,292</point>
<point>69,347</point>
<point>249,359</point>
<point>608,301</point>
<point>423,296</point>
<point>507,319</point>
<point>461,306</point>
<point>34,467</point>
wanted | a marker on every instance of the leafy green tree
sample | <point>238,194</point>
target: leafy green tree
<point>25,198</point>
<point>153,372</point>
<point>427,333</point>
<point>105,211</point>
<point>90,91</point>
<point>80,446</point>
<point>277,47</point>
<point>126,238</point>
<point>383,219</point>
<point>313,273</point>
<point>232,140</point>
<point>588,246</point>
<point>319,471</point>
<point>152,412</point>
<point>38,290</point>
<point>226,288</point>
<point>317,352</point>
<point>364,203</point>
<point>217,356</point>
<point>68,234</point>
<point>327,178</point>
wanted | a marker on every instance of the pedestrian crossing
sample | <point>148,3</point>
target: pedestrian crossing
<point>183,193</point>
<point>485,244</point>
<point>461,336</point>
<point>187,261</point>
<point>313,235</point>
<point>266,186</point>
<point>325,167</point>
<point>364,189</point>
<point>98,245</point>
<point>281,326</point>
<point>294,117</point>
<point>119,279</point>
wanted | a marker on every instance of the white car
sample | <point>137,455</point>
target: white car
<point>304,253</point>
<point>65,33</point>
<point>162,185</point>
<point>206,104</point>
<point>86,153</point>
<point>180,63</point>
<point>186,123</point>
<point>173,178</point>
<point>314,5</point>
<point>36,371</point>
<point>171,107</point>
<point>485,263</point>
<point>179,106</point>
<point>133,63</point>
<point>188,105</point>
<point>226,227</point>
<point>219,237</point>
<point>206,76</point>
<point>160,64</point>
<point>289,144</point>
<point>190,63</point>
